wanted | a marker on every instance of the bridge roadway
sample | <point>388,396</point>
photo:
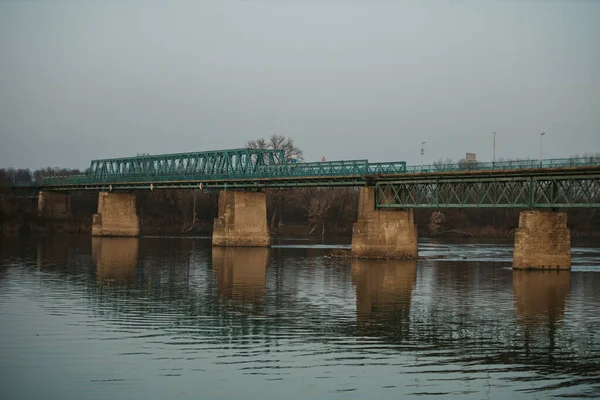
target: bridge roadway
<point>554,183</point>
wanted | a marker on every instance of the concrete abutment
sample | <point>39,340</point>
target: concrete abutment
<point>242,220</point>
<point>383,233</point>
<point>116,215</point>
<point>542,241</point>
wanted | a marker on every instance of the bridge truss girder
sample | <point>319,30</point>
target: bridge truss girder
<point>535,191</point>
<point>218,162</point>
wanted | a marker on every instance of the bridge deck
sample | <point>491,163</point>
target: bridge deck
<point>571,182</point>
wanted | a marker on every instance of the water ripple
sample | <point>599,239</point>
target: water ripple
<point>140,318</point>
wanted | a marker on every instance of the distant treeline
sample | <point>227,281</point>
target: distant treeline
<point>12,175</point>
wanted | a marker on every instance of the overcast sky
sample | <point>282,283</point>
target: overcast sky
<point>346,79</point>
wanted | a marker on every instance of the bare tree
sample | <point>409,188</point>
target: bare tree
<point>590,157</point>
<point>317,203</point>
<point>442,164</point>
<point>12,175</point>
<point>185,199</point>
<point>278,142</point>
<point>257,144</point>
<point>436,222</point>
<point>42,173</point>
<point>276,198</point>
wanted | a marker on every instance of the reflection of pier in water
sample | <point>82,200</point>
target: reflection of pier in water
<point>540,298</point>
<point>383,294</point>
<point>52,251</point>
<point>431,314</point>
<point>240,272</point>
<point>58,252</point>
<point>115,258</point>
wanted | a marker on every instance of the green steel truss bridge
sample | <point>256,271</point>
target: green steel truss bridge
<point>556,183</point>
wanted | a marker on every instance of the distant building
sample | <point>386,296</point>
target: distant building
<point>471,158</point>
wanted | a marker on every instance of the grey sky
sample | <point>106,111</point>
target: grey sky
<point>363,79</point>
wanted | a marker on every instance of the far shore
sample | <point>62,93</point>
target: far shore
<point>39,225</point>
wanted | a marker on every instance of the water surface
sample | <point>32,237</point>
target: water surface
<point>157,318</point>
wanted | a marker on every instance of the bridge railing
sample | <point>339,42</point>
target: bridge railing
<point>314,169</point>
<point>504,165</point>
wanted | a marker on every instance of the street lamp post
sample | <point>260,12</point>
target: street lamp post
<point>494,157</point>
<point>422,152</point>
<point>541,147</point>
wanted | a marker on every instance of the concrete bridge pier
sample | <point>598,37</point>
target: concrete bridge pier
<point>542,241</point>
<point>242,220</point>
<point>382,233</point>
<point>116,215</point>
<point>54,204</point>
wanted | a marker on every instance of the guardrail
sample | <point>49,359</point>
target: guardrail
<point>314,169</point>
<point>505,165</point>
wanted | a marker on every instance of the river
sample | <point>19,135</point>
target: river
<point>174,318</point>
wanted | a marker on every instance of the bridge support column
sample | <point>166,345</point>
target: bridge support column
<point>542,241</point>
<point>382,233</point>
<point>116,215</point>
<point>242,220</point>
<point>54,204</point>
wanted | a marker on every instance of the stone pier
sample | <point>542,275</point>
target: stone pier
<point>54,204</point>
<point>382,233</point>
<point>116,215</point>
<point>242,220</point>
<point>542,241</point>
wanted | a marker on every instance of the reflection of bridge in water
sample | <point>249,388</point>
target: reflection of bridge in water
<point>540,300</point>
<point>115,258</point>
<point>540,296</point>
<point>51,252</point>
<point>383,294</point>
<point>58,252</point>
<point>475,314</point>
<point>241,272</point>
